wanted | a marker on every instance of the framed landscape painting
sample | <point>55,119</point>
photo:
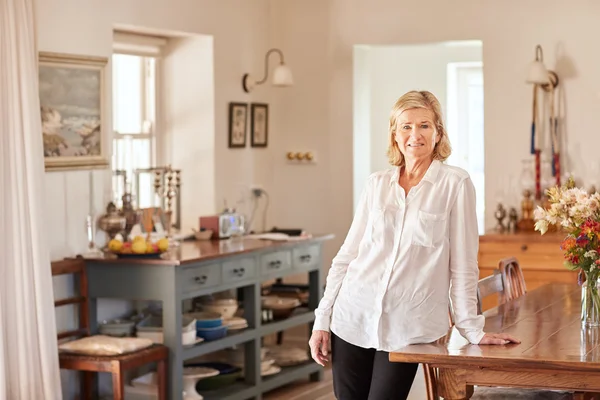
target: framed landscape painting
<point>72,102</point>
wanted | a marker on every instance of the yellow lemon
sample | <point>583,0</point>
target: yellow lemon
<point>139,239</point>
<point>163,244</point>
<point>115,245</point>
<point>139,247</point>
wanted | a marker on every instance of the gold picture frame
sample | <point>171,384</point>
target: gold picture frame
<point>73,111</point>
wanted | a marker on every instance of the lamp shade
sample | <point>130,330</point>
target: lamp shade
<point>537,73</point>
<point>282,76</point>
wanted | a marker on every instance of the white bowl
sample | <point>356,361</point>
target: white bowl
<point>203,235</point>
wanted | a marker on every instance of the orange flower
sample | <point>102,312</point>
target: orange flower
<point>568,244</point>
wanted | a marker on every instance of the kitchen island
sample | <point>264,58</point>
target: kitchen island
<point>205,267</point>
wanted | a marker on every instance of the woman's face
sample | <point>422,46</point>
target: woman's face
<point>416,134</point>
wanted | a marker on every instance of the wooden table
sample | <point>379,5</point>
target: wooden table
<point>555,352</point>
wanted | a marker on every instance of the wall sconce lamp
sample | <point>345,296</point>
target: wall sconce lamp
<point>282,75</point>
<point>539,75</point>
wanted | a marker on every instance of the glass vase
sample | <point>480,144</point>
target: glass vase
<point>590,302</point>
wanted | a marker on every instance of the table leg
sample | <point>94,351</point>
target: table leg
<point>452,384</point>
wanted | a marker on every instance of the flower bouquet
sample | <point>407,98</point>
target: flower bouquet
<point>578,214</point>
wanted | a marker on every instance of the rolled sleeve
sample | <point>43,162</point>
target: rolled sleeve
<point>464,271</point>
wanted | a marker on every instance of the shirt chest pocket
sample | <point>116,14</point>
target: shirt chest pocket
<point>430,229</point>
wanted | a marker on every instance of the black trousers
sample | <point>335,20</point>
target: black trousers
<point>367,374</point>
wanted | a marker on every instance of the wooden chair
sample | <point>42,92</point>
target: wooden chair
<point>514,280</point>
<point>493,284</point>
<point>116,365</point>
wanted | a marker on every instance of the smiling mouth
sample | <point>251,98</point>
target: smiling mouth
<point>416,145</point>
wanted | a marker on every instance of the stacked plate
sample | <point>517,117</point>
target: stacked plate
<point>235,323</point>
<point>286,356</point>
<point>235,356</point>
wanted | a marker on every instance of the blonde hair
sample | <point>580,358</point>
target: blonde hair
<point>418,99</point>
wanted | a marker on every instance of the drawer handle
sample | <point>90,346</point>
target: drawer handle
<point>524,247</point>
<point>305,258</point>
<point>200,280</point>
<point>275,264</point>
<point>239,272</point>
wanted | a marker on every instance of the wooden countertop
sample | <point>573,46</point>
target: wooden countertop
<point>197,251</point>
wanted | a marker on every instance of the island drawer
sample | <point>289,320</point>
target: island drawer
<point>275,262</point>
<point>239,270</point>
<point>201,277</point>
<point>306,256</point>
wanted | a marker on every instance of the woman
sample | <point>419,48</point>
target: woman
<point>413,240</point>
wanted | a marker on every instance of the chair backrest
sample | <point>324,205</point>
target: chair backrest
<point>514,280</point>
<point>76,267</point>
<point>493,284</point>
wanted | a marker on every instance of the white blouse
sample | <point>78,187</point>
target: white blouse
<point>388,285</point>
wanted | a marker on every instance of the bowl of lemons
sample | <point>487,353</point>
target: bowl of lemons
<point>139,247</point>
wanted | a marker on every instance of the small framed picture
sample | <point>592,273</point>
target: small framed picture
<point>259,125</point>
<point>238,116</point>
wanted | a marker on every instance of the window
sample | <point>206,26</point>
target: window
<point>465,126</point>
<point>134,121</point>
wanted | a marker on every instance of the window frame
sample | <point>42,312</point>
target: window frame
<point>457,126</point>
<point>145,47</point>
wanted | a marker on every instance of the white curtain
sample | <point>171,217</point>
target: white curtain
<point>28,347</point>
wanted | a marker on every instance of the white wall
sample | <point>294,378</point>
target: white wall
<point>362,119</point>
<point>301,194</point>
<point>188,92</point>
<point>509,31</point>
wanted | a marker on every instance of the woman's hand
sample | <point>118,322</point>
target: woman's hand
<point>320,347</point>
<point>498,338</point>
